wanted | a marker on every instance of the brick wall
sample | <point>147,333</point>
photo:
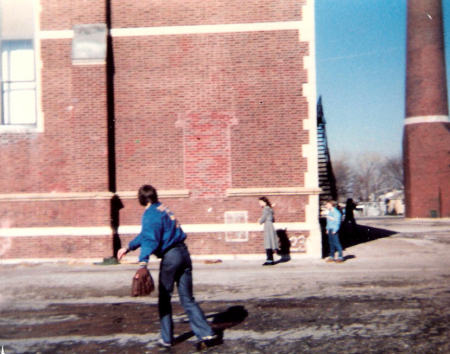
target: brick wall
<point>198,112</point>
<point>62,15</point>
<point>56,247</point>
<point>128,13</point>
<point>212,210</point>
<point>214,244</point>
<point>232,80</point>
<point>54,213</point>
<point>70,155</point>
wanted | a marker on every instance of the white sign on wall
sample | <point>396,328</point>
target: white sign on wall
<point>89,43</point>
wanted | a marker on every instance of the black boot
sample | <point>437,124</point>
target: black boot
<point>269,256</point>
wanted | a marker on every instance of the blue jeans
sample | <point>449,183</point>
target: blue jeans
<point>335,244</point>
<point>176,267</point>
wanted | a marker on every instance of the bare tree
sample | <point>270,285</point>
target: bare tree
<point>393,167</point>
<point>344,175</point>
<point>370,176</point>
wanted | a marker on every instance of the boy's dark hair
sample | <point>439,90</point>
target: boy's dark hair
<point>147,194</point>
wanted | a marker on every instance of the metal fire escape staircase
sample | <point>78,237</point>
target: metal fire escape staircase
<point>327,181</point>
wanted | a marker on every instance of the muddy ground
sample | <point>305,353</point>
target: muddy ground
<point>391,295</point>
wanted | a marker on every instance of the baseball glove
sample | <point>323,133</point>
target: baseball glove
<point>142,283</point>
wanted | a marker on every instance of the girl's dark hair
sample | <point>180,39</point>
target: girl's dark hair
<point>265,200</point>
<point>146,194</point>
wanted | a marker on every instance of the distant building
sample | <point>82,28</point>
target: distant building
<point>394,202</point>
<point>213,103</point>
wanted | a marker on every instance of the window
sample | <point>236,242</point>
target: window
<point>18,105</point>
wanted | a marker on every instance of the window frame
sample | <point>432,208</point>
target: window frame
<point>38,125</point>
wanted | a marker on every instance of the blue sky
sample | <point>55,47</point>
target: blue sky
<point>360,59</point>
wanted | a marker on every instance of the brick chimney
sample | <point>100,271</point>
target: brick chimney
<point>426,136</point>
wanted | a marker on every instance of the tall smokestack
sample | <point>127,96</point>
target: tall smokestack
<point>426,137</point>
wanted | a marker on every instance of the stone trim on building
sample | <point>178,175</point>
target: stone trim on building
<point>426,119</point>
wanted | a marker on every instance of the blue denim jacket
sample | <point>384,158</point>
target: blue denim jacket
<point>334,220</point>
<point>160,230</point>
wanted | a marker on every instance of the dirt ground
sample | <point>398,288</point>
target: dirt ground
<point>392,294</point>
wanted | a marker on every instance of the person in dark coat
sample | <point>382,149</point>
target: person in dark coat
<point>270,236</point>
<point>350,206</point>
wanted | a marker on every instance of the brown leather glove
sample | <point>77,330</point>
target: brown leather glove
<point>142,283</point>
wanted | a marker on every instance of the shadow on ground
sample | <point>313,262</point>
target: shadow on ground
<point>352,234</point>
<point>221,321</point>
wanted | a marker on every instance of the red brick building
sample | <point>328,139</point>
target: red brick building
<point>213,103</point>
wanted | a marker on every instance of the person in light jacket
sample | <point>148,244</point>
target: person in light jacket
<point>333,225</point>
<point>270,236</point>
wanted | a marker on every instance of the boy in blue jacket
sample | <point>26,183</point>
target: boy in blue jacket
<point>162,235</point>
<point>333,225</point>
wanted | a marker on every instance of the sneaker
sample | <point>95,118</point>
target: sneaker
<point>209,341</point>
<point>268,263</point>
<point>329,260</point>
<point>163,344</point>
<point>214,336</point>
